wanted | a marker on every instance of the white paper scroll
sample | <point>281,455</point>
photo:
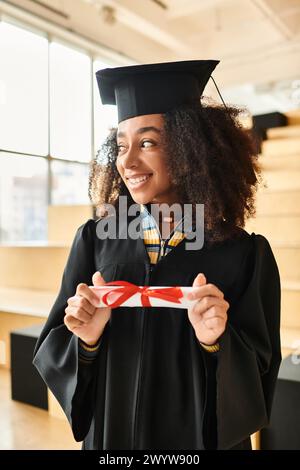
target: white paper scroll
<point>136,299</point>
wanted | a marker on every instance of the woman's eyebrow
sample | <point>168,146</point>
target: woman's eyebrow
<point>142,130</point>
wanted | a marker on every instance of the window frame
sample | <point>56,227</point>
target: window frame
<point>109,57</point>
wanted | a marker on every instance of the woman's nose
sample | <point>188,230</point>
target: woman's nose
<point>130,159</point>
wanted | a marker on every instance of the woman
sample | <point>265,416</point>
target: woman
<point>166,378</point>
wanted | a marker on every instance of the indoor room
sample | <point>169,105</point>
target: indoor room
<point>79,130</point>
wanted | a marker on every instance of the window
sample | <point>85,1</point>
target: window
<point>24,95</point>
<point>69,183</point>
<point>23,198</point>
<point>105,116</point>
<point>70,104</point>
<point>48,130</point>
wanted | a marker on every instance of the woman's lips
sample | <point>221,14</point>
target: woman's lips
<point>138,181</point>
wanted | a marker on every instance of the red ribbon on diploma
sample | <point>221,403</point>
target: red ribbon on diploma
<point>127,290</point>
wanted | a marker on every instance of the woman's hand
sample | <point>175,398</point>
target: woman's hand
<point>208,315</point>
<point>83,317</point>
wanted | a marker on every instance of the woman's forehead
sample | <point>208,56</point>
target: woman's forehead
<point>137,122</point>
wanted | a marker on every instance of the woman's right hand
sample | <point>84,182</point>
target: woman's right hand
<point>82,316</point>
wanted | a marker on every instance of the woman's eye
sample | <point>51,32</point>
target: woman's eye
<point>148,143</point>
<point>120,147</point>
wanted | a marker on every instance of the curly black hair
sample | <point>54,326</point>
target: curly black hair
<point>212,160</point>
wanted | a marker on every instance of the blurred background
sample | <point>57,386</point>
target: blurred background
<point>52,123</point>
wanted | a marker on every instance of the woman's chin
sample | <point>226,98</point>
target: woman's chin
<point>141,199</point>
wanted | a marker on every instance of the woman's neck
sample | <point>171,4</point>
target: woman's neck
<point>165,220</point>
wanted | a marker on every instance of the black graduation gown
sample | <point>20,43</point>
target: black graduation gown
<point>152,385</point>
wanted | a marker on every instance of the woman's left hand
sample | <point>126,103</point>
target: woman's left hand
<point>208,315</point>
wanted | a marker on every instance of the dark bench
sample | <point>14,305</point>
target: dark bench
<point>27,385</point>
<point>284,429</point>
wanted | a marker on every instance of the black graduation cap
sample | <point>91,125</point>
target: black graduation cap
<point>153,88</point>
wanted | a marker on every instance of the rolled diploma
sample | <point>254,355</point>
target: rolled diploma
<point>135,299</point>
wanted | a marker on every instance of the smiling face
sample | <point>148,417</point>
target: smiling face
<point>142,160</point>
